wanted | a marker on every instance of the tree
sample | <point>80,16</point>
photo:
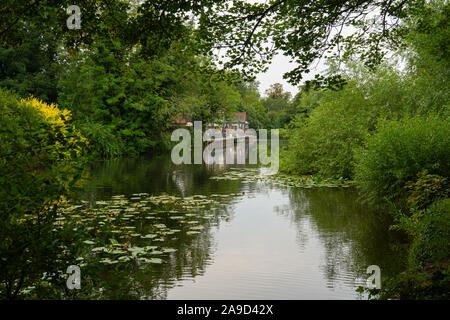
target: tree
<point>251,103</point>
<point>306,30</point>
<point>278,106</point>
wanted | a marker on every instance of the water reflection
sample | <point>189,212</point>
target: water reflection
<point>353,235</point>
<point>151,174</point>
<point>264,242</point>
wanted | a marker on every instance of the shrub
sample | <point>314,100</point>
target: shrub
<point>430,282</point>
<point>39,151</point>
<point>428,273</point>
<point>324,142</point>
<point>432,239</point>
<point>427,189</point>
<point>103,141</point>
<point>398,152</point>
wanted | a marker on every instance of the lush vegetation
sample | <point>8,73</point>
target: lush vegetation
<point>399,152</point>
<point>124,80</point>
<point>388,129</point>
<point>116,87</point>
<point>40,155</point>
<point>135,68</point>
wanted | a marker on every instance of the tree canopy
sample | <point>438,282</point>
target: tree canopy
<point>249,32</point>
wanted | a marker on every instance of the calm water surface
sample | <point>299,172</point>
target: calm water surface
<point>270,241</point>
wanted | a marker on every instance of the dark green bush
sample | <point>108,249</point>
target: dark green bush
<point>398,152</point>
<point>103,141</point>
<point>431,282</point>
<point>428,273</point>
<point>432,237</point>
<point>426,189</point>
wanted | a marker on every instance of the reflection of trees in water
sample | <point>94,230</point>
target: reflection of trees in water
<point>149,281</point>
<point>300,220</point>
<point>155,176</point>
<point>354,235</point>
<point>188,262</point>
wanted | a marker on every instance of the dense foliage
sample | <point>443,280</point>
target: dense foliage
<point>398,152</point>
<point>124,92</point>
<point>137,67</point>
<point>40,152</point>
<point>125,104</point>
<point>388,129</point>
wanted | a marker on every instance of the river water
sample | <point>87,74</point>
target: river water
<point>269,241</point>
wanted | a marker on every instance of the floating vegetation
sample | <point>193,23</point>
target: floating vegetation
<point>255,174</point>
<point>244,174</point>
<point>310,181</point>
<point>136,229</point>
<point>139,234</point>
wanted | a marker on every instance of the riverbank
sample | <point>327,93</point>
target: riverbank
<point>396,154</point>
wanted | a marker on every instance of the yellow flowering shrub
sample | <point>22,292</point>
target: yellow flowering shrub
<point>41,154</point>
<point>68,142</point>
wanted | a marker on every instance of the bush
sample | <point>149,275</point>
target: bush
<point>428,273</point>
<point>39,151</point>
<point>324,142</point>
<point>332,124</point>
<point>103,140</point>
<point>432,239</point>
<point>427,189</point>
<point>398,152</point>
<point>430,282</point>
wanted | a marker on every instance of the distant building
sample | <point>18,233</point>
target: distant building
<point>182,122</point>
<point>241,117</point>
<point>239,121</point>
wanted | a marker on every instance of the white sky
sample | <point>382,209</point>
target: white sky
<point>279,66</point>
